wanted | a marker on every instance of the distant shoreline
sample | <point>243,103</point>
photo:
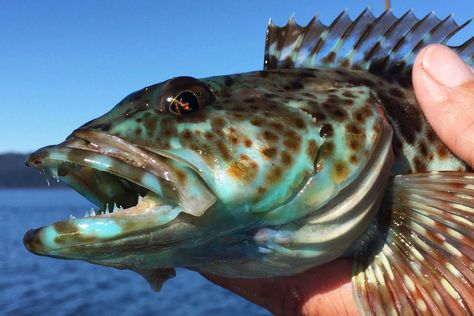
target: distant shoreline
<point>15,175</point>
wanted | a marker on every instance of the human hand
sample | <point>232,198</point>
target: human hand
<point>444,87</point>
<point>324,290</point>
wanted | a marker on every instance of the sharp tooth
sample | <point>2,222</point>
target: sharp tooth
<point>107,208</point>
<point>140,198</point>
<point>47,179</point>
<point>92,212</point>
<point>72,217</point>
<point>115,208</point>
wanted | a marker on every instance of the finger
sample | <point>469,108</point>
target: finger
<point>444,87</point>
<point>324,290</point>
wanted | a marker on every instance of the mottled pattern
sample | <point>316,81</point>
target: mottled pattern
<point>272,172</point>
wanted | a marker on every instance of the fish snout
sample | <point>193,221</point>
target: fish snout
<point>30,241</point>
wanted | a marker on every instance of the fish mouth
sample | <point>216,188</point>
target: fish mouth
<point>137,193</point>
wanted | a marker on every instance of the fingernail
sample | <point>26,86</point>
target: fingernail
<point>446,67</point>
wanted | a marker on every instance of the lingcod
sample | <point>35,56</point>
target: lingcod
<point>323,154</point>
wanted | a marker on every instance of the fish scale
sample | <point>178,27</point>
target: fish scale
<point>323,154</point>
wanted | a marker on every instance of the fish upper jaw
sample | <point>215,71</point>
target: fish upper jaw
<point>139,194</point>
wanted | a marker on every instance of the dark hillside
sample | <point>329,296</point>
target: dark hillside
<point>14,173</point>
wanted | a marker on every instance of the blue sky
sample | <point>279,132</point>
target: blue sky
<point>65,62</point>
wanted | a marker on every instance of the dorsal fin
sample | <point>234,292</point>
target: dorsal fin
<point>379,45</point>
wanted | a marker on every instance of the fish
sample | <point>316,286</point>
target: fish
<point>323,154</point>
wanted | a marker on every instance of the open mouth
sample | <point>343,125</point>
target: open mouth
<point>134,189</point>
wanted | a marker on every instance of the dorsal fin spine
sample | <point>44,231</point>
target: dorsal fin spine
<point>377,44</point>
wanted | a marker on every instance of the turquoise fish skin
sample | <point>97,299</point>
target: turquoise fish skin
<point>258,174</point>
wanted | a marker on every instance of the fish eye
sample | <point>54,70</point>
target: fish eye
<point>184,95</point>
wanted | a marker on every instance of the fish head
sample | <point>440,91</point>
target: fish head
<point>175,164</point>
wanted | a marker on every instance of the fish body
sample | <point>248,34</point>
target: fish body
<point>323,154</point>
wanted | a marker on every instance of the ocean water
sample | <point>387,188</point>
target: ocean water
<point>33,285</point>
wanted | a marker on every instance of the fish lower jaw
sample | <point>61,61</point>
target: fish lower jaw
<point>92,236</point>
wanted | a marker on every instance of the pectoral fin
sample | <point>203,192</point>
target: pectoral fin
<point>424,263</point>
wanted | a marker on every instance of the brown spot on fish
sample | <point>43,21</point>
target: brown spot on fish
<point>292,141</point>
<point>274,174</point>
<point>218,123</point>
<point>186,134</point>
<point>243,170</point>
<point>362,114</point>
<point>247,143</point>
<point>354,129</point>
<point>327,149</point>
<point>276,125</point>
<point>223,150</point>
<point>345,62</point>
<point>269,136</point>
<point>269,152</point>
<point>65,227</point>
<point>354,143</point>
<point>181,176</point>
<point>442,151</point>
<point>348,94</point>
<point>286,158</point>
<point>338,114</point>
<point>353,159</point>
<point>329,59</point>
<point>419,164</point>
<point>339,171</point>
<point>347,102</point>
<point>423,149</point>
<point>256,121</point>
<point>261,190</point>
<point>430,134</point>
<point>298,123</point>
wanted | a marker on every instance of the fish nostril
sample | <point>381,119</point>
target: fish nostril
<point>33,162</point>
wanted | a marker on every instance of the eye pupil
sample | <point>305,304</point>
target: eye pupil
<point>185,102</point>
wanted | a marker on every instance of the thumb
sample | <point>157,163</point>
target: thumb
<point>444,87</point>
